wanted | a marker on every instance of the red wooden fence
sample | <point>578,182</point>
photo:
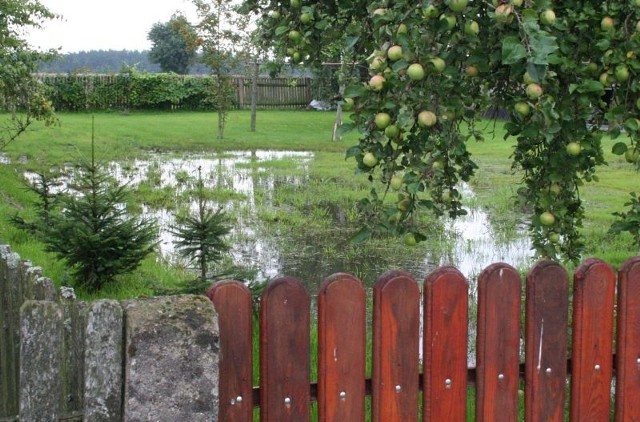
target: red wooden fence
<point>399,374</point>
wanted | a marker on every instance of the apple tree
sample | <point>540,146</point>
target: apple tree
<point>21,95</point>
<point>426,72</point>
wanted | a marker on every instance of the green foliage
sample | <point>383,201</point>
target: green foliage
<point>45,187</point>
<point>173,44</point>
<point>629,221</point>
<point>200,237</point>
<point>94,234</point>
<point>132,90</point>
<point>20,92</point>
<point>565,76</point>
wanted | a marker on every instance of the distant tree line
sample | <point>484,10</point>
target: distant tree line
<point>107,61</point>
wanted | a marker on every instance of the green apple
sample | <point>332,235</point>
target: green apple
<point>404,204</point>
<point>632,155</point>
<point>449,19</point>
<point>555,189</point>
<point>394,53</point>
<point>527,79</point>
<point>438,64</point>
<point>377,82</point>
<point>547,219</point>
<point>348,104</point>
<point>382,120</point>
<point>553,237</point>
<point>274,14</point>
<point>458,6</point>
<point>410,239</point>
<point>607,23</point>
<point>437,166</point>
<point>396,182</point>
<point>471,70</point>
<point>517,3</point>
<point>369,159</point>
<point>534,91</point>
<point>295,57</point>
<point>415,72</point>
<point>622,73</point>
<point>548,17</point>
<point>295,3</point>
<point>427,118</point>
<point>378,63</point>
<point>522,108</point>
<point>392,131</point>
<point>402,29</point>
<point>294,35</point>
<point>604,79</point>
<point>471,28</point>
<point>504,14</point>
<point>573,148</point>
<point>430,12</point>
<point>305,18</point>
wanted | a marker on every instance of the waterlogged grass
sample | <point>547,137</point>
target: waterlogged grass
<point>322,206</point>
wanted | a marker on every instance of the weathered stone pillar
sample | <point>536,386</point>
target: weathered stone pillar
<point>171,359</point>
<point>103,357</point>
<point>10,301</point>
<point>40,355</point>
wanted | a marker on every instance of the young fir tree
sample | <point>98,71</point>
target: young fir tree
<point>94,233</point>
<point>201,235</point>
<point>45,186</point>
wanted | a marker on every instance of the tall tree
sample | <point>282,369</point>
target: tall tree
<point>20,93</point>
<point>174,44</point>
<point>223,38</point>
<point>560,69</point>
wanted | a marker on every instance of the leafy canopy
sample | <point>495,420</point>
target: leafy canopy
<point>423,75</point>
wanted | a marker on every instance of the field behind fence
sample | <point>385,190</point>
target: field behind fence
<point>190,358</point>
<point>162,91</point>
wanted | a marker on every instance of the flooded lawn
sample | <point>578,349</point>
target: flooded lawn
<point>259,190</point>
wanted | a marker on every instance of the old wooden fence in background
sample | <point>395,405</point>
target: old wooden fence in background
<point>95,92</point>
<point>167,349</point>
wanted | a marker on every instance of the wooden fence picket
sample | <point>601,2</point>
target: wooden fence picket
<point>341,349</point>
<point>547,306</point>
<point>284,351</point>
<point>628,342</point>
<point>233,302</point>
<point>446,293</point>
<point>498,344</point>
<point>591,364</point>
<point>396,330</point>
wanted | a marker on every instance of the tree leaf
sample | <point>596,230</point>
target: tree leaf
<point>512,50</point>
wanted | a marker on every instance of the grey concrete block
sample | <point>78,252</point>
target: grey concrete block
<point>171,359</point>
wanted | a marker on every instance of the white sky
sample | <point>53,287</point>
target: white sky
<point>105,24</point>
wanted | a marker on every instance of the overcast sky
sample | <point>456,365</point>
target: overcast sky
<point>105,24</point>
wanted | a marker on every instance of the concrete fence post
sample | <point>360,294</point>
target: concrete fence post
<point>40,356</point>
<point>103,356</point>
<point>171,359</point>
